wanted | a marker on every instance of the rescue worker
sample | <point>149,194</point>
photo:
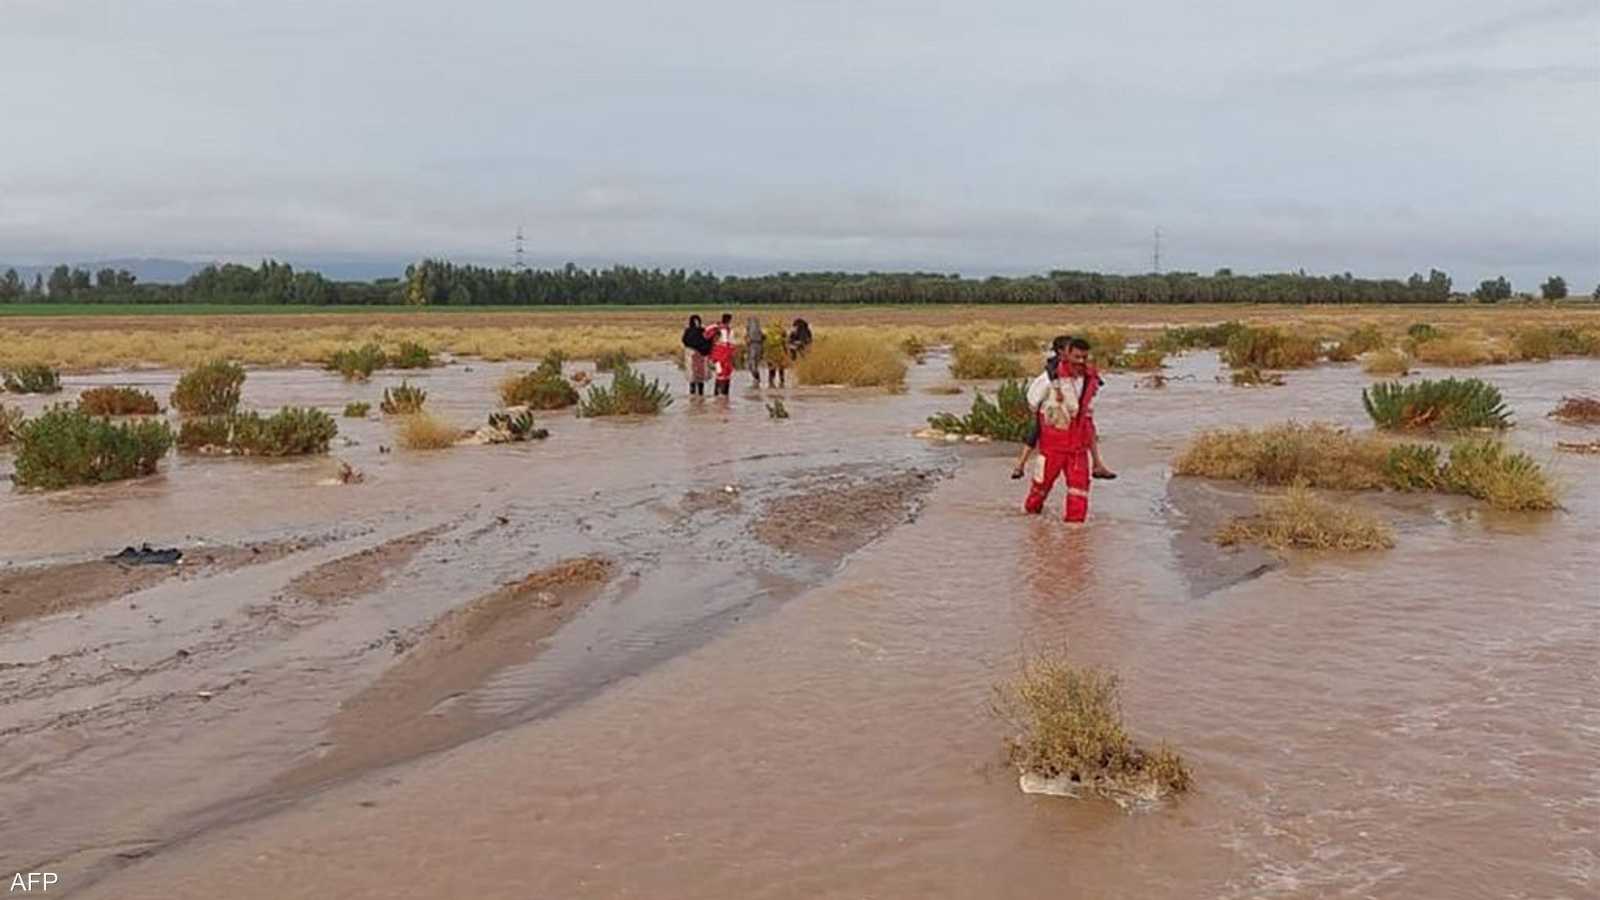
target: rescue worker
<point>1065,406</point>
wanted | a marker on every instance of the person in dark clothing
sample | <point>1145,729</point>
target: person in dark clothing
<point>697,348</point>
<point>799,338</point>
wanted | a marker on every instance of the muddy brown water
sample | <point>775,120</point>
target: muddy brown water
<point>737,714</point>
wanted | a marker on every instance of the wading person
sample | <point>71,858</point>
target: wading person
<point>721,360</point>
<point>754,346</point>
<point>1029,443</point>
<point>776,356</point>
<point>696,348</point>
<point>799,339</point>
<point>1065,407</point>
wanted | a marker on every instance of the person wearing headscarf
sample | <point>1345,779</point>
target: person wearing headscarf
<point>696,348</point>
<point>754,344</point>
<point>799,339</point>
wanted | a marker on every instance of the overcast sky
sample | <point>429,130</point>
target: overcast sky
<point>1376,136</point>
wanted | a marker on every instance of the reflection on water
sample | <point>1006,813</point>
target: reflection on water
<point>1414,723</point>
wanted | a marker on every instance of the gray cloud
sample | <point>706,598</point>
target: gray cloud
<point>1378,137</point>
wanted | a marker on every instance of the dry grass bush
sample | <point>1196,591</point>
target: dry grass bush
<point>982,363</point>
<point>1390,363</point>
<point>411,355</point>
<point>423,431</point>
<point>1578,410</point>
<point>945,390</point>
<point>10,418</point>
<point>404,400</point>
<point>1271,348</point>
<point>912,345</point>
<point>1459,350</point>
<point>1320,455</point>
<point>612,360</point>
<point>1450,403</point>
<point>209,389</point>
<point>1145,359</point>
<point>64,446</point>
<point>1067,722</point>
<point>118,401</point>
<point>854,360</point>
<point>31,379</point>
<point>1299,519</point>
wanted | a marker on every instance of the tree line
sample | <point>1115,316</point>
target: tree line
<point>433,282</point>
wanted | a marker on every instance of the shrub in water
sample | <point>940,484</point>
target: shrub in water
<point>210,389</point>
<point>118,401</point>
<point>913,347</point>
<point>519,426</point>
<point>1144,359</point>
<point>10,418</point>
<point>1509,480</point>
<point>292,431</point>
<point>1008,418</point>
<point>1457,350</point>
<point>1193,336</point>
<point>1453,403</point>
<point>1361,340</point>
<point>64,446</point>
<point>1318,454</point>
<point>357,410</point>
<point>1270,348</point>
<point>358,362</point>
<point>1387,362</point>
<point>1254,377</point>
<point>976,363</point>
<point>611,361</point>
<point>33,380</point>
<point>854,360</point>
<point>1301,520</point>
<point>1414,467</point>
<point>1068,726</point>
<point>411,355</point>
<point>421,431</point>
<point>628,394</point>
<point>1578,410</point>
<point>776,410</point>
<point>539,389</point>
<point>403,400</point>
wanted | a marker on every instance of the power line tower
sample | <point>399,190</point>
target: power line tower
<point>1156,255</point>
<point>520,264</point>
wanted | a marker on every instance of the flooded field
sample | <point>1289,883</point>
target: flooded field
<point>716,655</point>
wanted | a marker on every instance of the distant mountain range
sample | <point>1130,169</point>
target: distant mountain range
<point>173,271</point>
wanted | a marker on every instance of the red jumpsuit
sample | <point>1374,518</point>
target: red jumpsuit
<point>722,358</point>
<point>1065,451</point>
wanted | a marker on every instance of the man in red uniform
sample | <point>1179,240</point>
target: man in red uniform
<point>1065,409</point>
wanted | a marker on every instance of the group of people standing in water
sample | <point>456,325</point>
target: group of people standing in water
<point>712,354</point>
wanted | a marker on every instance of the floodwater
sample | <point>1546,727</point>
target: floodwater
<point>744,711</point>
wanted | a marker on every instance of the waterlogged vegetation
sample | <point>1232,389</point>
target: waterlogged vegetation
<point>629,394</point>
<point>1298,519</point>
<point>210,389</point>
<point>1006,418</point>
<point>852,360</point>
<point>1326,456</point>
<point>31,379</point>
<point>1578,410</point>
<point>64,446</point>
<point>118,401</point>
<point>1452,403</point>
<point>292,431</point>
<point>404,400</point>
<point>970,363</point>
<point>10,418</point>
<point>544,388</point>
<point>1389,363</point>
<point>612,360</point>
<point>1067,730</point>
<point>1270,348</point>
<point>424,431</point>
<point>357,409</point>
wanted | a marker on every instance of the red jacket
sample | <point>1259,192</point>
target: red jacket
<point>722,357</point>
<point>1079,433</point>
